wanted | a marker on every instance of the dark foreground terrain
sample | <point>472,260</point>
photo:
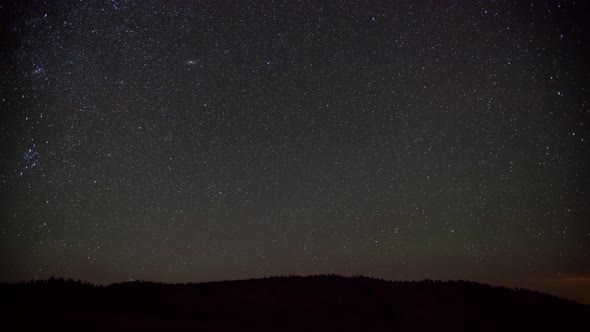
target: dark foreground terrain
<point>319,303</point>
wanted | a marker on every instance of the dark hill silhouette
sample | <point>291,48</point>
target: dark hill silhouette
<point>317,303</point>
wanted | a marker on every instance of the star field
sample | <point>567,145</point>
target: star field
<point>189,141</point>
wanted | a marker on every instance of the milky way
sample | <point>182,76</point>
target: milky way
<point>190,141</point>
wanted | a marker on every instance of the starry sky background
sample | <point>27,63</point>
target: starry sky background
<point>190,140</point>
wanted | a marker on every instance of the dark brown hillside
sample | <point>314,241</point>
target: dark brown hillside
<point>318,303</point>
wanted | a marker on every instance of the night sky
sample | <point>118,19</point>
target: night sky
<point>184,141</point>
